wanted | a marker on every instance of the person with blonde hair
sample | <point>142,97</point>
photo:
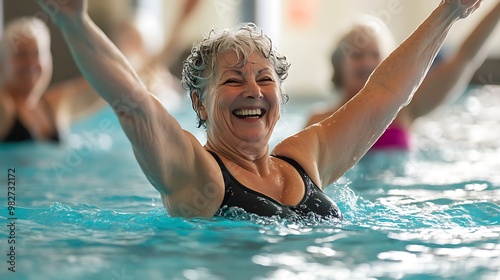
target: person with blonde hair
<point>369,41</point>
<point>234,78</point>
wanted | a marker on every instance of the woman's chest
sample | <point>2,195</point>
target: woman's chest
<point>283,183</point>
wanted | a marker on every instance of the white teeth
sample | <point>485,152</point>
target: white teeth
<point>247,112</point>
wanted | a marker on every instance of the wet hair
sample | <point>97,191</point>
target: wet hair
<point>364,29</point>
<point>20,29</point>
<point>198,68</point>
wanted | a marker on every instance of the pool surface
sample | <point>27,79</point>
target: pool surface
<point>85,211</point>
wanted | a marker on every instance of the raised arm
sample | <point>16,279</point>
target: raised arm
<point>338,142</point>
<point>97,58</point>
<point>164,151</point>
<point>452,76</point>
<point>75,99</point>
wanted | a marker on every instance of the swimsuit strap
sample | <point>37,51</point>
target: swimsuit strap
<point>315,200</point>
<point>226,175</point>
<point>293,163</point>
<point>219,160</point>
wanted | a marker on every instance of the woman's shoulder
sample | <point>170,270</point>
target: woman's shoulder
<point>297,147</point>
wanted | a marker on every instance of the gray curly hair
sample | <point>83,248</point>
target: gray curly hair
<point>198,68</point>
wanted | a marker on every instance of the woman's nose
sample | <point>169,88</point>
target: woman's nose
<point>34,59</point>
<point>252,90</point>
<point>30,61</point>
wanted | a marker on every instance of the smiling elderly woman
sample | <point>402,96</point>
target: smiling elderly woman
<point>234,79</point>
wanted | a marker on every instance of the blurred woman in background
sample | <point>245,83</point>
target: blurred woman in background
<point>26,112</point>
<point>30,111</point>
<point>369,41</point>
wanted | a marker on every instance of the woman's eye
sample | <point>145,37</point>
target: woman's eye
<point>232,81</point>
<point>266,80</point>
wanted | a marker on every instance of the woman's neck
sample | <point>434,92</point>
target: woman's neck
<point>253,160</point>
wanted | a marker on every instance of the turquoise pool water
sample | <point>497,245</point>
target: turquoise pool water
<point>86,211</point>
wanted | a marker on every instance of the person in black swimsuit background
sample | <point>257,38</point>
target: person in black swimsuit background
<point>30,111</point>
<point>27,113</point>
<point>234,78</point>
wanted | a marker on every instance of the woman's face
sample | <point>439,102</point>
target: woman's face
<point>358,64</point>
<point>243,103</point>
<point>23,65</point>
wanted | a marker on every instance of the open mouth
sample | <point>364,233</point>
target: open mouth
<point>249,113</point>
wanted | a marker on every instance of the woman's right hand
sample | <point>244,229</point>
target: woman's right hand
<point>63,12</point>
<point>463,7</point>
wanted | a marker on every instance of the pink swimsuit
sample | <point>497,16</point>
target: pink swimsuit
<point>395,137</point>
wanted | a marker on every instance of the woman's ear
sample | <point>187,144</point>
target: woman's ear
<point>198,106</point>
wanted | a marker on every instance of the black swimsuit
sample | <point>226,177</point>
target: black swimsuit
<point>19,133</point>
<point>314,200</point>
